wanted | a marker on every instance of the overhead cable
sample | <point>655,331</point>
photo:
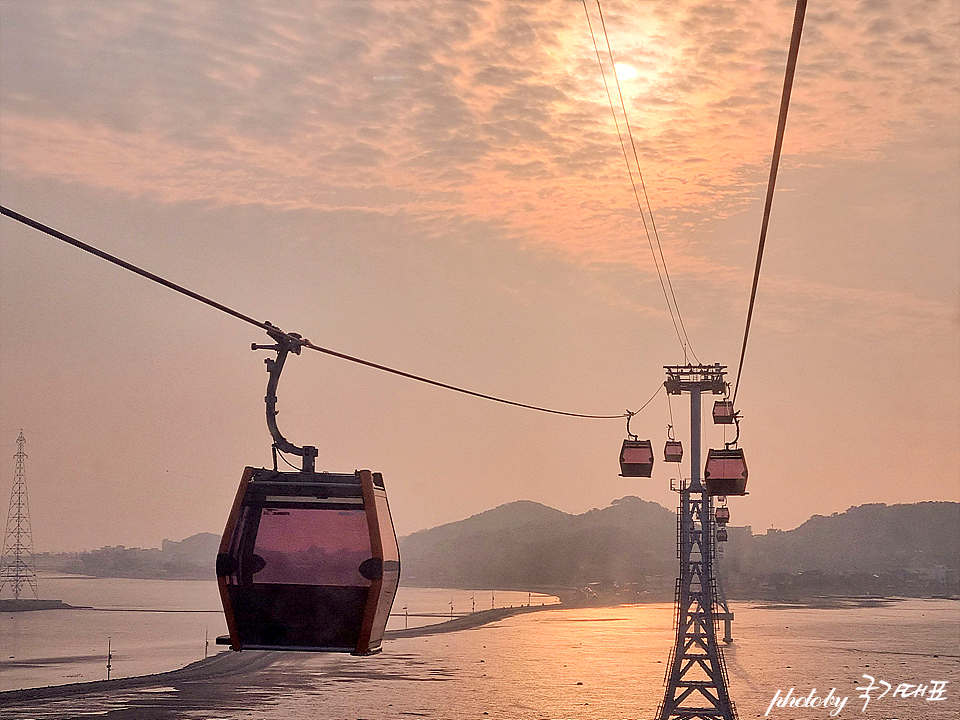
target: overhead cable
<point>634,412</point>
<point>774,166</point>
<point>270,328</point>
<point>685,342</point>
<point>633,183</point>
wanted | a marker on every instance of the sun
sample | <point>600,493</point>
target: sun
<point>624,71</point>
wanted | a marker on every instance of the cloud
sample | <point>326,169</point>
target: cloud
<point>482,109</point>
<point>449,179</point>
<point>885,315</point>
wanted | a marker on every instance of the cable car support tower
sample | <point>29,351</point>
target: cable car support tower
<point>696,682</point>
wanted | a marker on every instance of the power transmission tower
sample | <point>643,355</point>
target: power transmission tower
<point>17,566</point>
<point>696,676</point>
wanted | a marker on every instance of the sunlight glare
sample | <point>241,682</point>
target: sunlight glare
<point>624,71</point>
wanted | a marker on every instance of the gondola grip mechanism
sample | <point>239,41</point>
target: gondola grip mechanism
<point>285,343</point>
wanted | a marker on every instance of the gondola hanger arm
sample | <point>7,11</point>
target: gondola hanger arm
<point>285,343</point>
<point>736,439</point>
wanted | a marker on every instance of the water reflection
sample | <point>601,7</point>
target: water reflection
<point>589,664</point>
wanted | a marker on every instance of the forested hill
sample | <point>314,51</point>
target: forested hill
<point>904,549</point>
<point>525,544</point>
<point>872,538</point>
<point>871,549</point>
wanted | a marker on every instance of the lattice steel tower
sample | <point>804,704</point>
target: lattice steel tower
<point>696,676</point>
<point>17,566</point>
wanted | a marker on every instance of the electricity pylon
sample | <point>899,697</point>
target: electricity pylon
<point>17,566</point>
<point>696,676</point>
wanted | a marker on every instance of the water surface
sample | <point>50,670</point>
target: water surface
<point>158,625</point>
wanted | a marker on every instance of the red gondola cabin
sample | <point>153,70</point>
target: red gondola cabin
<point>722,515</point>
<point>723,412</point>
<point>636,458</point>
<point>673,451</point>
<point>725,472</point>
<point>308,561</point>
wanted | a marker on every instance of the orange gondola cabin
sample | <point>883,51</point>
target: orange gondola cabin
<point>308,561</point>
<point>726,472</point>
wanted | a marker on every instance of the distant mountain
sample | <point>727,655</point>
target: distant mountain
<point>870,549</point>
<point>526,544</point>
<point>867,538</point>
<point>201,548</point>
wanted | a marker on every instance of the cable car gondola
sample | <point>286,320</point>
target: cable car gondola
<point>723,412</point>
<point>722,515</point>
<point>721,534</point>
<point>726,472</point>
<point>673,451</point>
<point>636,456</point>
<point>673,448</point>
<point>308,560</point>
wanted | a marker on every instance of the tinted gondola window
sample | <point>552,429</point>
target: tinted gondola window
<point>312,547</point>
<point>640,455</point>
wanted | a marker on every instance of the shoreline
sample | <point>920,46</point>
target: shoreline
<point>835,602</point>
<point>34,605</point>
<point>471,620</point>
<point>229,664</point>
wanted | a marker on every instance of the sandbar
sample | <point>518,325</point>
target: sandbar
<point>210,683</point>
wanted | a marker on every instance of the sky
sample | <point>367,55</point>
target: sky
<point>439,187</point>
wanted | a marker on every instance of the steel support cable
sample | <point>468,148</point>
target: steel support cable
<point>436,383</point>
<point>653,223</point>
<point>633,183</point>
<point>270,328</point>
<point>659,388</point>
<point>774,166</point>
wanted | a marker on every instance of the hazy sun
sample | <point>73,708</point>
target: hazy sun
<point>624,71</point>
